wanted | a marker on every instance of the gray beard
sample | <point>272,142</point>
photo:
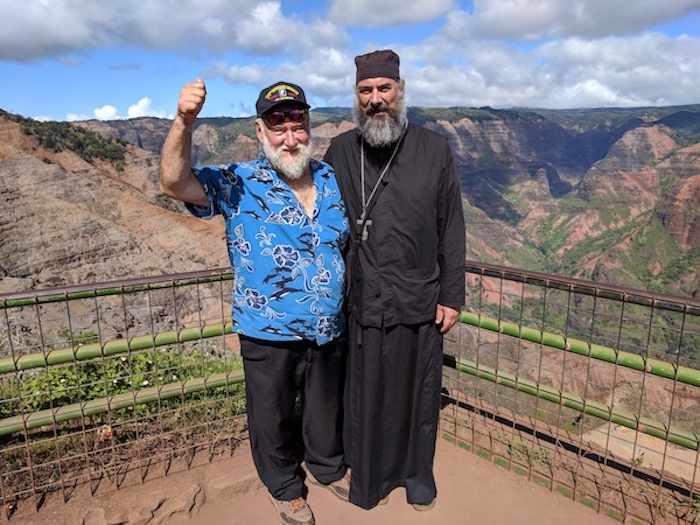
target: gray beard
<point>292,169</point>
<point>380,131</point>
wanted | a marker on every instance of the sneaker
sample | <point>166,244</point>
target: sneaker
<point>341,487</point>
<point>423,508</point>
<point>384,500</point>
<point>293,512</point>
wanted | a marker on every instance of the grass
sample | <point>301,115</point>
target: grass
<point>485,454</point>
<point>520,471</point>
<point>501,462</point>
<point>587,502</point>
<point>614,514</point>
<point>542,481</point>
<point>564,491</point>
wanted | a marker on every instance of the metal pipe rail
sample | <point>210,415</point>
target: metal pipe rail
<point>128,399</point>
<point>617,293</point>
<point>111,348</point>
<point>118,287</point>
<point>94,350</point>
<point>682,374</point>
<point>597,409</point>
<point>600,410</point>
<point>157,311</point>
<point>115,347</point>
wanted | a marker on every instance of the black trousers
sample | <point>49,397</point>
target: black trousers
<point>275,372</point>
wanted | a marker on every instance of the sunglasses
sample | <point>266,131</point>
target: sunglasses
<point>277,118</point>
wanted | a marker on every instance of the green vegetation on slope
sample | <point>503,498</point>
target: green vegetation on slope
<point>85,380</point>
<point>582,120</point>
<point>240,126</point>
<point>59,136</point>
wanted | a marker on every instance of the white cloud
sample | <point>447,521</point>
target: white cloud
<point>266,29</point>
<point>329,74</point>
<point>74,117</point>
<point>649,69</point>
<point>106,113</point>
<point>326,76</point>
<point>251,75</point>
<point>502,53</point>
<point>35,29</point>
<point>531,20</point>
<point>376,13</point>
<point>143,108</point>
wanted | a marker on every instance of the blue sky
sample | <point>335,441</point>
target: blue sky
<point>108,59</point>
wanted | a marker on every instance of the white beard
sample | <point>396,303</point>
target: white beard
<point>291,167</point>
<point>381,131</point>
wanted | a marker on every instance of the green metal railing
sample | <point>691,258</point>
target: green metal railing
<point>570,400</point>
<point>649,365</point>
<point>94,407</point>
<point>41,314</point>
<point>594,408</point>
<point>110,348</point>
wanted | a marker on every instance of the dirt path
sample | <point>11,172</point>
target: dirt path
<point>470,491</point>
<point>227,492</point>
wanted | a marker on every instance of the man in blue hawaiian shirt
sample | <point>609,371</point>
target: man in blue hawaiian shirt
<point>286,229</point>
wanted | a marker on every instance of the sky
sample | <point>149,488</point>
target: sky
<point>117,59</point>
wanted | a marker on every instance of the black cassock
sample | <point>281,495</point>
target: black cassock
<point>412,260</point>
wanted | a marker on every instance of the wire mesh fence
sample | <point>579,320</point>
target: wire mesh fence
<point>108,384</point>
<point>591,391</point>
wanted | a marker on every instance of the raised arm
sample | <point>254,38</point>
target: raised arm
<point>176,177</point>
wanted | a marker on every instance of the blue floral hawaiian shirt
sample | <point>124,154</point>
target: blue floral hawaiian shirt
<point>288,267</point>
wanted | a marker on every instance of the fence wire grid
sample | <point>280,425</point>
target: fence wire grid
<point>592,391</point>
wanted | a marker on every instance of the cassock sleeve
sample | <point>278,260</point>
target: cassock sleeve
<point>328,157</point>
<point>452,243</point>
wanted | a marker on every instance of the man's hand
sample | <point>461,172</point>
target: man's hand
<point>176,177</point>
<point>191,101</point>
<point>446,316</point>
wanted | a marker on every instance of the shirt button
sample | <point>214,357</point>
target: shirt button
<point>377,295</point>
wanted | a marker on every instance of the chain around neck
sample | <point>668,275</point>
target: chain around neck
<point>365,202</point>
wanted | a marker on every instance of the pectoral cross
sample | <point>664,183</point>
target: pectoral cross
<point>364,223</point>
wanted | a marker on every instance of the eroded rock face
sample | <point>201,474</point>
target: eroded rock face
<point>533,190</point>
<point>145,132</point>
<point>66,221</point>
<point>680,209</point>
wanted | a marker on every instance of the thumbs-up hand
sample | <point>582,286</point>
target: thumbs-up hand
<point>191,101</point>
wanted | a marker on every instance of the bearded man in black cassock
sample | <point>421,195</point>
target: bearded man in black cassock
<point>406,286</point>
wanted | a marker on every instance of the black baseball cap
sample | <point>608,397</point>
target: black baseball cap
<point>280,93</point>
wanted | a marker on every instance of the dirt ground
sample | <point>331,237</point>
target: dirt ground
<point>223,488</point>
<point>470,490</point>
